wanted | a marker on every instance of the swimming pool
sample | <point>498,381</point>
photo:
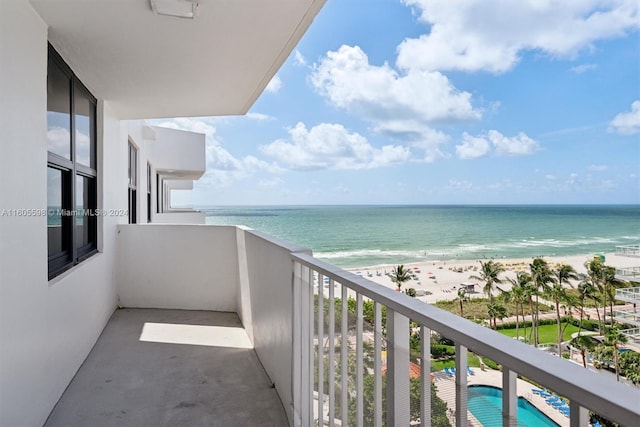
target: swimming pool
<point>485,403</point>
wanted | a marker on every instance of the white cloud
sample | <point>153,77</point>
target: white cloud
<point>299,59</point>
<point>403,107</point>
<point>519,145</point>
<point>579,69</point>
<point>463,185</point>
<point>627,123</point>
<point>472,35</point>
<point>550,177</point>
<point>270,183</point>
<point>260,117</point>
<point>598,168</point>
<point>222,167</point>
<point>331,146</point>
<point>274,85</point>
<point>472,147</point>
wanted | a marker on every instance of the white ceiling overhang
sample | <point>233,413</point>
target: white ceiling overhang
<point>149,65</point>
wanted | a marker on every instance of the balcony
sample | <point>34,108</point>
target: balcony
<point>628,250</point>
<point>631,295</point>
<point>360,345</point>
<point>628,274</point>
<point>627,316</point>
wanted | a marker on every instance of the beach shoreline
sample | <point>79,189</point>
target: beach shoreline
<point>442,278</point>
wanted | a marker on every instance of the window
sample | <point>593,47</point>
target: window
<point>133,183</point>
<point>148,192</point>
<point>71,168</point>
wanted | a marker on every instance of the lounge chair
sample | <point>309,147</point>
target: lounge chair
<point>470,371</point>
<point>448,372</point>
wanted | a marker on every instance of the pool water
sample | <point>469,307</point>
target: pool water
<point>485,403</point>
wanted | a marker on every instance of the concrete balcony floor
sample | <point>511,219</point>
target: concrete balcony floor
<point>170,368</point>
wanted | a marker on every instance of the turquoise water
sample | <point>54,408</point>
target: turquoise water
<point>358,236</point>
<point>485,403</point>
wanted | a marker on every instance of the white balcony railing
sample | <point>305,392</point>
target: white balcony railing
<point>628,250</point>
<point>627,316</point>
<point>629,273</point>
<point>329,378</point>
<point>631,295</point>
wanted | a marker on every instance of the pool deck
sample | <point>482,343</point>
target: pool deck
<point>447,392</point>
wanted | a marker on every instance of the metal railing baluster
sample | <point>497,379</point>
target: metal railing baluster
<point>378,365</point>
<point>344,364</point>
<point>461,386</point>
<point>425,376</point>
<point>359,363</point>
<point>332,354</point>
<point>320,352</point>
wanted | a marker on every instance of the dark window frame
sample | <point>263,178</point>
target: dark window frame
<point>133,184</point>
<point>72,253</point>
<point>149,187</point>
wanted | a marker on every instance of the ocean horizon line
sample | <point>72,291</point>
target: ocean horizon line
<point>414,205</point>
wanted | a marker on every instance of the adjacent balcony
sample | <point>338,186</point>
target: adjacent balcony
<point>631,295</point>
<point>631,316</point>
<point>628,274</point>
<point>317,346</point>
<point>628,250</point>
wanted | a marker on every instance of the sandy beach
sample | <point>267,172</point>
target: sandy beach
<point>442,278</point>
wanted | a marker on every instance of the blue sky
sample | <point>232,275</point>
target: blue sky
<point>440,102</point>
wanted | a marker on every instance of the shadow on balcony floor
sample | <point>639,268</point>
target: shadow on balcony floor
<point>170,368</point>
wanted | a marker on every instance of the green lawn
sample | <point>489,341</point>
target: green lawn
<point>548,333</point>
<point>439,365</point>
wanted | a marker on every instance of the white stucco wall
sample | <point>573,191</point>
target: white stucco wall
<point>47,327</point>
<point>266,281</point>
<point>180,218</point>
<point>177,266</point>
<point>179,150</point>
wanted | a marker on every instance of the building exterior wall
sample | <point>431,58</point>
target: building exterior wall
<point>47,327</point>
<point>187,267</point>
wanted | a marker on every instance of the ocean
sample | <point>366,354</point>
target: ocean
<point>360,236</point>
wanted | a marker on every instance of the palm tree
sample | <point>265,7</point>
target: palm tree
<point>557,294</point>
<point>508,297</point>
<point>587,290</point>
<point>519,296</point>
<point>583,343</point>
<point>541,277</point>
<point>613,337</point>
<point>489,272</point>
<point>594,274</point>
<point>495,311</point>
<point>399,275</point>
<point>609,286</point>
<point>462,297</point>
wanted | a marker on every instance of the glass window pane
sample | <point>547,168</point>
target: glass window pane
<point>58,112</point>
<point>81,210</point>
<point>54,211</point>
<point>84,122</point>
